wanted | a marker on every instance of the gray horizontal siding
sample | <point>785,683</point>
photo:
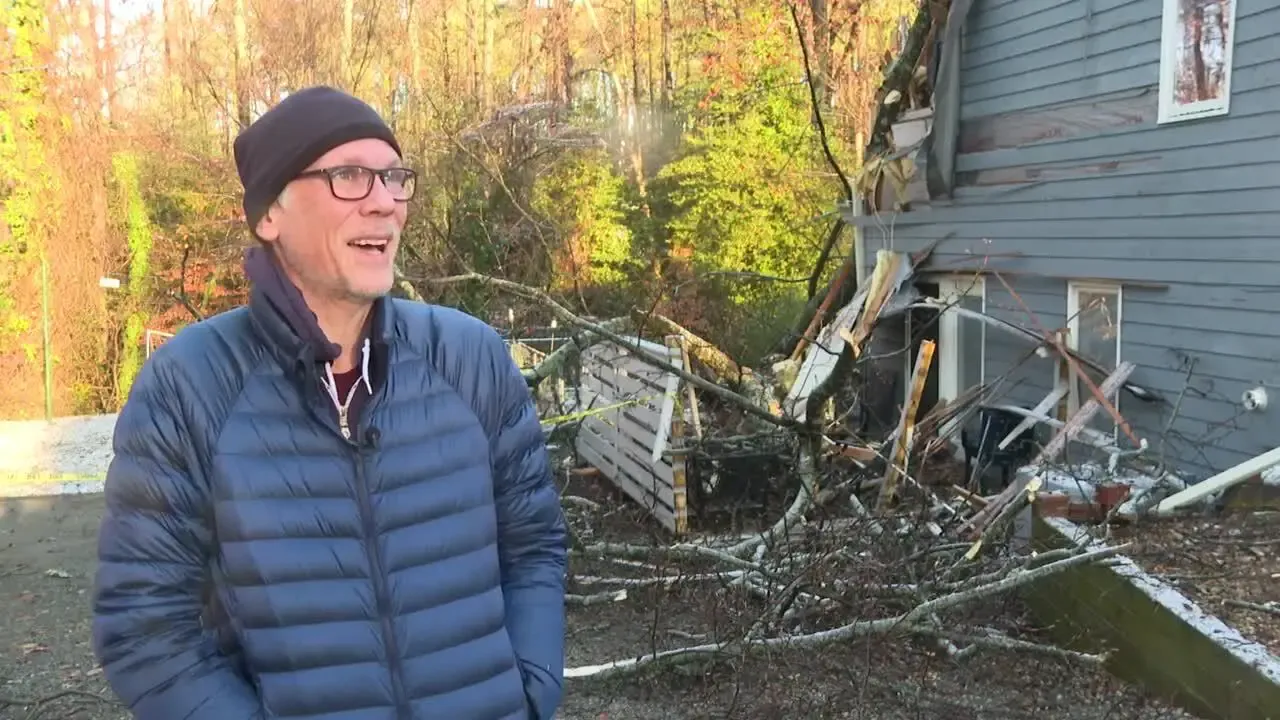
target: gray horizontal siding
<point>1187,219</point>
<point>1209,430</point>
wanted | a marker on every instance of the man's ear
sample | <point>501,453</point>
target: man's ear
<point>268,227</point>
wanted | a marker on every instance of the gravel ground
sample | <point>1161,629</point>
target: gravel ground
<point>47,671</point>
<point>71,447</point>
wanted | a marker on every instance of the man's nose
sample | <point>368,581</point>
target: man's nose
<point>380,199</point>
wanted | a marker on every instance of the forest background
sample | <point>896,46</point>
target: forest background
<point>618,154</point>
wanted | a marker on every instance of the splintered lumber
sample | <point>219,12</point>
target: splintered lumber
<point>887,265</point>
<point>1078,421</point>
<point>1221,481</point>
<point>893,270</point>
<point>906,426</point>
<point>820,315</point>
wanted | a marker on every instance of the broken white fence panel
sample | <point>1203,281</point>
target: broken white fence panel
<point>628,442</point>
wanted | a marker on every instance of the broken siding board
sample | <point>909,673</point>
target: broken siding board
<point>1220,299</point>
<point>962,252</point>
<point>958,252</point>
<point>1036,95</point>
<point>1025,174</point>
<point>1250,108</point>
<point>1146,270</point>
<point>1180,178</point>
<point>1177,154</point>
<point>1086,76</point>
<point>920,227</point>
<point>1087,118</point>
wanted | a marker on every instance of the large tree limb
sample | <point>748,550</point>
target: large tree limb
<point>563,313</point>
<point>740,377</point>
<point>911,621</point>
<point>554,363</point>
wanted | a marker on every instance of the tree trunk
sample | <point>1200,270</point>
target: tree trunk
<point>668,78</point>
<point>821,45</point>
<point>240,30</point>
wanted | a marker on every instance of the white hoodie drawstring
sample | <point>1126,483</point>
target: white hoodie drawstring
<point>331,383</point>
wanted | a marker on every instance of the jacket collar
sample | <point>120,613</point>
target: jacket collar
<point>281,317</point>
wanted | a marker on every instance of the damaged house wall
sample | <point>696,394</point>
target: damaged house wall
<point>1062,175</point>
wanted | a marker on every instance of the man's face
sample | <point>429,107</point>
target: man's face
<point>338,250</point>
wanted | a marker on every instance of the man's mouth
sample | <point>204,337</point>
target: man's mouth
<point>371,244</point>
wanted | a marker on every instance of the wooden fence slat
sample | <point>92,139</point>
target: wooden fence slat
<point>629,444</point>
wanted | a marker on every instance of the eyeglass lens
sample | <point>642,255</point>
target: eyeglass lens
<point>354,183</point>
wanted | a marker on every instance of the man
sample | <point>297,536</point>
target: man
<point>330,504</point>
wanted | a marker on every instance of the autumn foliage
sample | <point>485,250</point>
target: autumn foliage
<point>620,154</point>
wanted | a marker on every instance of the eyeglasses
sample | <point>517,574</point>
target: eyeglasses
<point>353,182</point>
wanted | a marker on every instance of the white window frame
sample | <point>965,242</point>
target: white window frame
<point>1171,40</point>
<point>950,290</point>
<point>1074,289</point>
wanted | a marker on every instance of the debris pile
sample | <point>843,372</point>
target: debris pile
<point>887,534</point>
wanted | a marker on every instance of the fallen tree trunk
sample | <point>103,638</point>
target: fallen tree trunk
<point>599,329</point>
<point>739,377</point>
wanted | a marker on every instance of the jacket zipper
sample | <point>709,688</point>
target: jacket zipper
<point>380,585</point>
<point>343,406</point>
<point>342,419</point>
<point>365,500</point>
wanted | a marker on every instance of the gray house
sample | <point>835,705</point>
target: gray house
<point>1111,167</point>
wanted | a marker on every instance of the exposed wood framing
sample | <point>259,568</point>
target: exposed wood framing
<point>906,426</point>
<point>1024,174</point>
<point>938,151</point>
<point>1017,129</point>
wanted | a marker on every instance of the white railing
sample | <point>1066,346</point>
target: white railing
<point>154,339</point>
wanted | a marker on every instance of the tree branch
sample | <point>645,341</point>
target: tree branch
<point>563,313</point>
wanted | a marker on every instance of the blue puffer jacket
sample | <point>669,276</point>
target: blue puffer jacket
<point>255,564</point>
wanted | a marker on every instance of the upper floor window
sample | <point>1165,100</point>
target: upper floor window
<point>1196,46</point>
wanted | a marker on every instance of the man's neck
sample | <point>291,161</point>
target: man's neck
<point>344,324</point>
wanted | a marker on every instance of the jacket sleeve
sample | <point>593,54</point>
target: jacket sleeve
<point>154,546</point>
<point>531,538</point>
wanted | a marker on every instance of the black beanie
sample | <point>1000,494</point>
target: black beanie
<point>290,136</point>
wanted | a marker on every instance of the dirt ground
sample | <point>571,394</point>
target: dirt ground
<point>1228,565</point>
<point>47,671</point>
